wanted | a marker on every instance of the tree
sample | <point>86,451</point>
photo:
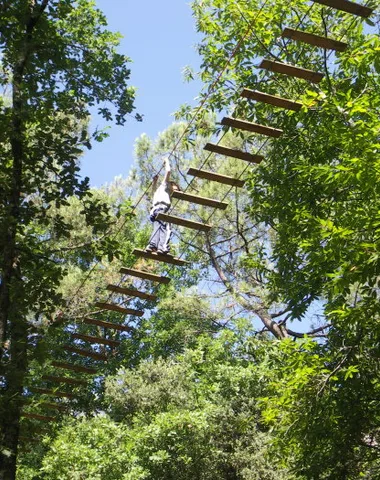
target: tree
<point>192,416</point>
<point>58,61</point>
<point>313,190</point>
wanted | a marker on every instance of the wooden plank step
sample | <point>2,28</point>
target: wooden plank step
<point>114,326</point>
<point>53,393</point>
<point>70,381</point>
<point>347,6</point>
<point>74,368</point>
<point>160,257</point>
<point>251,127</point>
<point>36,416</point>
<point>36,431</point>
<point>315,40</point>
<point>86,353</point>
<point>208,202</point>
<point>232,152</point>
<point>271,99</point>
<point>96,340</point>
<point>235,182</point>
<point>53,406</point>
<point>146,275</point>
<point>117,308</point>
<point>29,439</point>
<point>131,292</point>
<point>291,70</point>
<point>183,222</point>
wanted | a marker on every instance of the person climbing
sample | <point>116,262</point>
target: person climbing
<point>160,239</point>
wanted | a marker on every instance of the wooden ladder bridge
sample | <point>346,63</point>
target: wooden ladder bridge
<point>99,347</point>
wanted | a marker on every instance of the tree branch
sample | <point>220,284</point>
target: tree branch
<point>336,369</point>
<point>262,313</point>
<point>309,334</point>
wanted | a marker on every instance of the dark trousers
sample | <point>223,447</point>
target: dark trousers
<point>160,238</point>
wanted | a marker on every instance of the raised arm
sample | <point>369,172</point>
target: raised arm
<point>167,169</point>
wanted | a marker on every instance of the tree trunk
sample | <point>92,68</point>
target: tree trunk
<point>13,327</point>
<point>11,401</point>
<point>9,261</point>
<point>11,319</point>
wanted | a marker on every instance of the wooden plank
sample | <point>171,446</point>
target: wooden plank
<point>46,391</point>
<point>184,222</point>
<point>74,368</point>
<point>348,7</point>
<point>114,326</point>
<point>235,182</point>
<point>208,202</point>
<point>85,353</point>
<point>29,439</point>
<point>117,308</point>
<point>70,381</point>
<point>53,406</point>
<point>96,340</point>
<point>252,127</point>
<point>160,257</point>
<point>36,416</point>
<point>145,275</point>
<point>131,292</point>
<point>232,152</point>
<point>315,40</point>
<point>271,99</point>
<point>291,70</point>
<point>38,430</point>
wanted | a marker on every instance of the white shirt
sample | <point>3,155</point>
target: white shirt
<point>162,194</point>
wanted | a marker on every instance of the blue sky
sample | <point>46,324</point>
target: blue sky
<point>160,38</point>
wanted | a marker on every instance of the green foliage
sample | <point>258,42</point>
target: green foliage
<point>148,390</point>
<point>205,403</point>
<point>179,320</point>
<point>192,417</point>
<point>58,62</point>
<point>176,445</point>
<point>317,190</point>
<point>70,63</point>
<point>93,448</point>
<point>321,409</point>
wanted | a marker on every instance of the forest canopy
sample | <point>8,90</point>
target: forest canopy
<point>259,360</point>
